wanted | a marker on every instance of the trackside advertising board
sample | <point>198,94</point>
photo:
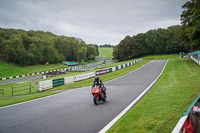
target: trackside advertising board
<point>101,72</point>
<point>84,76</point>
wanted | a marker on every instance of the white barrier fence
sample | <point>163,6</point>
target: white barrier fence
<point>69,80</point>
<point>85,67</point>
<point>44,85</point>
<point>48,84</point>
<point>195,60</point>
<point>88,66</point>
<point>84,76</point>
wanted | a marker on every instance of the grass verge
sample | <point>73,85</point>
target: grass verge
<point>162,106</point>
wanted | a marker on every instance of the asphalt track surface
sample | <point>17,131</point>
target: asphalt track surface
<point>74,111</point>
<point>21,79</point>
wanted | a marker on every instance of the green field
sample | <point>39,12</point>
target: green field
<point>106,52</point>
<point>161,108</point>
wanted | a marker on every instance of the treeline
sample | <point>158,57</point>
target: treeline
<point>38,47</point>
<point>153,42</point>
<point>174,39</point>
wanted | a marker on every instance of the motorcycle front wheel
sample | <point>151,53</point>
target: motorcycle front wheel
<point>96,101</point>
<point>105,96</point>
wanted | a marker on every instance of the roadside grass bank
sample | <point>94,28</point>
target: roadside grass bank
<point>106,52</point>
<point>163,105</point>
<point>8,100</point>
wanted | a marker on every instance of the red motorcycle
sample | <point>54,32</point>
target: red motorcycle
<point>99,94</point>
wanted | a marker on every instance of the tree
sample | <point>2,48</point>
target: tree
<point>38,47</point>
<point>125,54</point>
<point>34,55</point>
<point>190,18</point>
<point>159,41</point>
<point>91,51</point>
<point>116,52</point>
<point>139,45</point>
<point>15,46</point>
<point>51,55</point>
<point>97,49</point>
<point>82,53</point>
<point>4,48</point>
<point>23,58</point>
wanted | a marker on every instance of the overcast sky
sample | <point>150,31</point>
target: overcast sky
<point>94,21</point>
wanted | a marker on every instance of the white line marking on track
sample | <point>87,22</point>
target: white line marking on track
<point>109,125</point>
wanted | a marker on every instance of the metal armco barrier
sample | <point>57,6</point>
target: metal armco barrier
<point>20,76</point>
<point>88,66</point>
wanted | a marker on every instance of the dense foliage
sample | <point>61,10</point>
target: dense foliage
<point>38,47</point>
<point>190,18</point>
<point>153,42</point>
<point>174,39</point>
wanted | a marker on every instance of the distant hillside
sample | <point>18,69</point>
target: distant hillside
<point>106,52</point>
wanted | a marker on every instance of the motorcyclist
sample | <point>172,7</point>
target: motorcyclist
<point>98,82</point>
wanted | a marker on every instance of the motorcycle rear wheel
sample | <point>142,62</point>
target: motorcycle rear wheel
<point>96,101</point>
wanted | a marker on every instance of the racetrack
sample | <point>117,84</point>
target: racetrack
<point>73,111</point>
<point>20,79</point>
